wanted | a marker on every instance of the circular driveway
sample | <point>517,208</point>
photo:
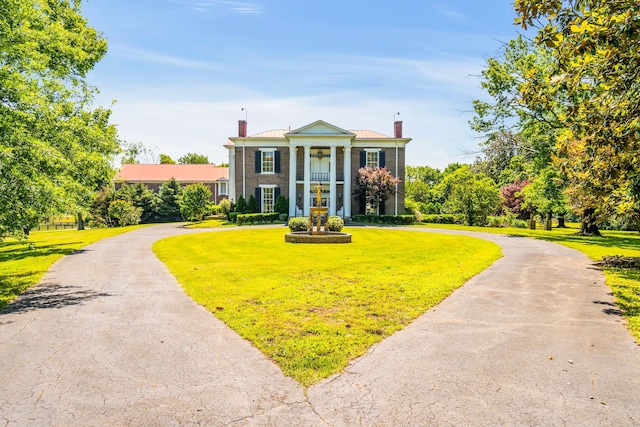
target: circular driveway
<point>108,338</point>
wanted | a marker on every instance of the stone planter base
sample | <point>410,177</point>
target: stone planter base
<point>305,237</point>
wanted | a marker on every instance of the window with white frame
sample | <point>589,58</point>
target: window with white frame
<point>223,188</point>
<point>268,161</point>
<point>372,159</point>
<point>268,201</point>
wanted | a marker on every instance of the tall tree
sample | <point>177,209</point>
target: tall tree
<point>55,149</point>
<point>596,63</point>
<point>472,194</point>
<point>193,159</point>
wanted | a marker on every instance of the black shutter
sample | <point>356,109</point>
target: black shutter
<point>363,159</point>
<point>381,159</point>
<point>381,209</point>
<point>276,194</point>
<point>258,161</point>
<point>259,198</point>
<point>276,160</point>
<point>362,205</point>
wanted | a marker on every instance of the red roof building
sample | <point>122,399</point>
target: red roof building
<point>152,175</point>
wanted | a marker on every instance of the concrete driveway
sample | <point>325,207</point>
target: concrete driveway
<point>108,338</point>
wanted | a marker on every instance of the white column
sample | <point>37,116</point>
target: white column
<point>292,180</point>
<point>347,182</point>
<point>332,182</point>
<point>307,180</point>
<point>232,174</point>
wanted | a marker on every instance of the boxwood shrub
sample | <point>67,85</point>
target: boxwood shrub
<point>299,223</point>
<point>443,219</point>
<point>257,218</point>
<point>335,223</point>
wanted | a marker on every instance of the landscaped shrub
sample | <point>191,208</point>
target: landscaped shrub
<point>443,219</point>
<point>335,223</point>
<point>233,216</point>
<point>241,205</point>
<point>281,205</point>
<point>257,218</point>
<point>384,219</point>
<point>123,213</point>
<point>252,205</point>
<point>225,208</point>
<point>510,220</point>
<point>299,224</point>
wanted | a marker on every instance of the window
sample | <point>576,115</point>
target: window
<point>267,199</point>
<point>372,159</point>
<point>268,162</point>
<point>224,188</point>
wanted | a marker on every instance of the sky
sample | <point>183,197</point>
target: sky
<point>182,71</point>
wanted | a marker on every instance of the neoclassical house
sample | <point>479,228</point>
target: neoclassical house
<point>293,162</point>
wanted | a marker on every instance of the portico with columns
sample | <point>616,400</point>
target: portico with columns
<point>292,163</point>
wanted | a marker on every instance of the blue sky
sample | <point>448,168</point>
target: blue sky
<point>182,70</point>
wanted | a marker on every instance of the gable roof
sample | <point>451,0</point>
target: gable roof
<point>315,128</point>
<point>181,173</point>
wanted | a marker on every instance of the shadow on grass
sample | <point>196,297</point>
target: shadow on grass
<point>20,250</point>
<point>51,296</point>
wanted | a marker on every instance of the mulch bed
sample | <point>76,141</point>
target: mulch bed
<point>619,261</point>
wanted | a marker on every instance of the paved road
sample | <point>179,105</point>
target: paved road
<point>109,339</point>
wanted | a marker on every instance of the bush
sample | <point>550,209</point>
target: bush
<point>335,223</point>
<point>257,218</point>
<point>194,202</point>
<point>233,216</point>
<point>241,205</point>
<point>510,220</point>
<point>252,205</point>
<point>225,208</point>
<point>281,205</point>
<point>299,224</point>
<point>122,213</point>
<point>443,219</point>
<point>384,219</point>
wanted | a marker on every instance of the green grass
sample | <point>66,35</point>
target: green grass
<point>625,284</point>
<point>211,223</point>
<point>312,308</point>
<point>23,263</point>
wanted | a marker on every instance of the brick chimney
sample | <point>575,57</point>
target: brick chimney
<point>242,128</point>
<point>397,129</point>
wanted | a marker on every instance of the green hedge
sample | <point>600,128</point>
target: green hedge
<point>384,219</point>
<point>443,219</point>
<point>257,218</point>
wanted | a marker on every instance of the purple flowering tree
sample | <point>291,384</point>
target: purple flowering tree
<point>374,186</point>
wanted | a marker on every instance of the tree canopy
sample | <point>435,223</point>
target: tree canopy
<point>596,63</point>
<point>55,149</point>
<point>193,159</point>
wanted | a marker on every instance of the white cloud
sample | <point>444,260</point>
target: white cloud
<point>140,55</point>
<point>236,6</point>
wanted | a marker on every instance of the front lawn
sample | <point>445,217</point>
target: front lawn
<point>23,263</point>
<point>313,308</point>
<point>624,283</point>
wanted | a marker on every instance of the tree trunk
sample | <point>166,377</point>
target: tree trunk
<point>547,223</point>
<point>80,222</point>
<point>561,223</point>
<point>589,227</point>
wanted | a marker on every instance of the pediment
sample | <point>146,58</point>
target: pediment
<point>319,128</point>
